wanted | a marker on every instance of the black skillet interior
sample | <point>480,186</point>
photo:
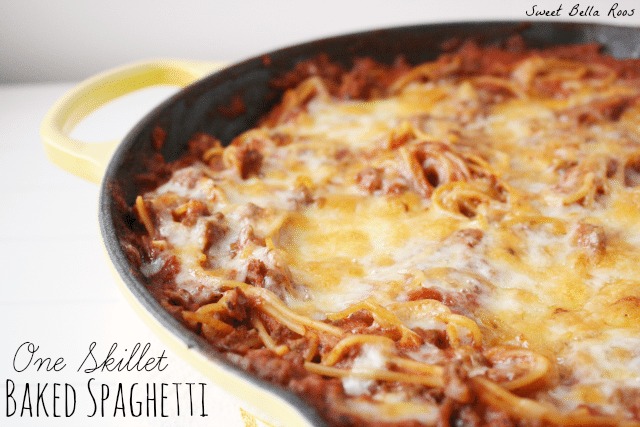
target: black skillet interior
<point>197,109</point>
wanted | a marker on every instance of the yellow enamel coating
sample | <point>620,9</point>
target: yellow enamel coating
<point>89,160</point>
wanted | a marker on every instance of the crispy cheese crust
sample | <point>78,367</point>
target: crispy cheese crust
<point>448,243</point>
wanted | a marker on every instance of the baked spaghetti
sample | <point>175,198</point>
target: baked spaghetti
<point>448,243</point>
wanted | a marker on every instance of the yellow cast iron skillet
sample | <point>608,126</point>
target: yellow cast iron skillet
<point>196,108</point>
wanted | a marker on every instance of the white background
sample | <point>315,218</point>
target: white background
<point>56,288</point>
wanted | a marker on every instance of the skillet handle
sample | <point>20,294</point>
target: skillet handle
<point>89,160</point>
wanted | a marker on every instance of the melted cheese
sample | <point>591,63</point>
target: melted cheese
<point>532,285</point>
